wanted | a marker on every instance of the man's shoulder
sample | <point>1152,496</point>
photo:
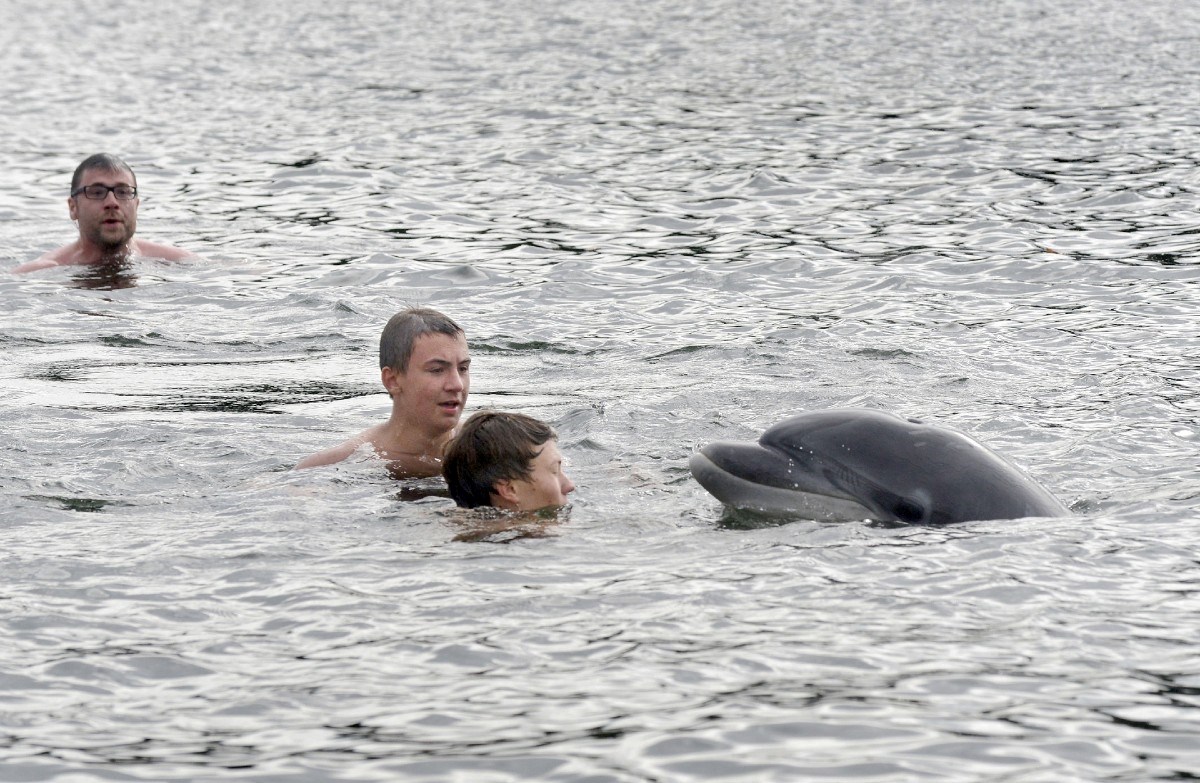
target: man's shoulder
<point>159,250</point>
<point>71,255</point>
<point>33,266</point>
<point>57,257</point>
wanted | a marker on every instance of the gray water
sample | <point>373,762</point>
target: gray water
<point>661,224</point>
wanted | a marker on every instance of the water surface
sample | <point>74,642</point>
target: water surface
<point>661,224</point>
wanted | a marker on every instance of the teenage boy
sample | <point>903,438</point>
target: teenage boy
<point>425,367</point>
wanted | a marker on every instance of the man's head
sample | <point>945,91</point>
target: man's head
<point>101,161</point>
<point>507,460</point>
<point>425,367</point>
<point>104,202</point>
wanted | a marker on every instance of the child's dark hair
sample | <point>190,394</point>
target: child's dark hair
<point>492,446</point>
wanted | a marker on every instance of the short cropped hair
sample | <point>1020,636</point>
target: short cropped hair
<point>403,329</point>
<point>102,161</point>
<point>492,446</point>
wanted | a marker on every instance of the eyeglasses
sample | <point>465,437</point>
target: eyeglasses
<point>100,192</point>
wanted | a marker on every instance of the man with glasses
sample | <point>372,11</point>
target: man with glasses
<point>104,204</point>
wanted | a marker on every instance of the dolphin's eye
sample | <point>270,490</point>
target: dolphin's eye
<point>908,511</point>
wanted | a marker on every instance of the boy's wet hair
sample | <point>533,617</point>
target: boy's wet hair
<point>402,330</point>
<point>492,446</point>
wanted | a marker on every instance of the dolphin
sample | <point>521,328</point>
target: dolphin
<point>855,464</point>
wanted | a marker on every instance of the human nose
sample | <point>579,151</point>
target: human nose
<point>568,486</point>
<point>456,380</point>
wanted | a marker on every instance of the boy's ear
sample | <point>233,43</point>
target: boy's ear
<point>505,491</point>
<point>390,380</point>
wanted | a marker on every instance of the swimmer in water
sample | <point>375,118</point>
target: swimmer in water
<point>104,203</point>
<point>425,367</point>
<point>507,460</point>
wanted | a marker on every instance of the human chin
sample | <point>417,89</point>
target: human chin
<point>537,497</point>
<point>112,230</point>
<point>115,234</point>
<point>106,239</point>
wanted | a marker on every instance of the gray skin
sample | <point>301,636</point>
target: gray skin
<point>865,464</point>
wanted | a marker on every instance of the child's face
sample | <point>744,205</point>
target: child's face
<point>433,389</point>
<point>547,484</point>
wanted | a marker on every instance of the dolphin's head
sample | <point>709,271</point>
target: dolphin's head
<point>863,464</point>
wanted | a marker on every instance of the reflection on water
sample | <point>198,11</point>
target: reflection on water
<point>497,526</point>
<point>250,398</point>
<point>412,489</point>
<point>749,519</point>
<point>79,504</point>
<point>661,225</point>
<point>104,277</point>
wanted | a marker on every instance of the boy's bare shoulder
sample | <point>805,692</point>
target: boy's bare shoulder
<point>339,452</point>
<point>328,456</point>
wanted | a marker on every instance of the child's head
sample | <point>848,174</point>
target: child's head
<point>507,460</point>
<point>405,328</point>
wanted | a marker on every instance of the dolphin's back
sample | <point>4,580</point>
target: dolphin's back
<point>906,470</point>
